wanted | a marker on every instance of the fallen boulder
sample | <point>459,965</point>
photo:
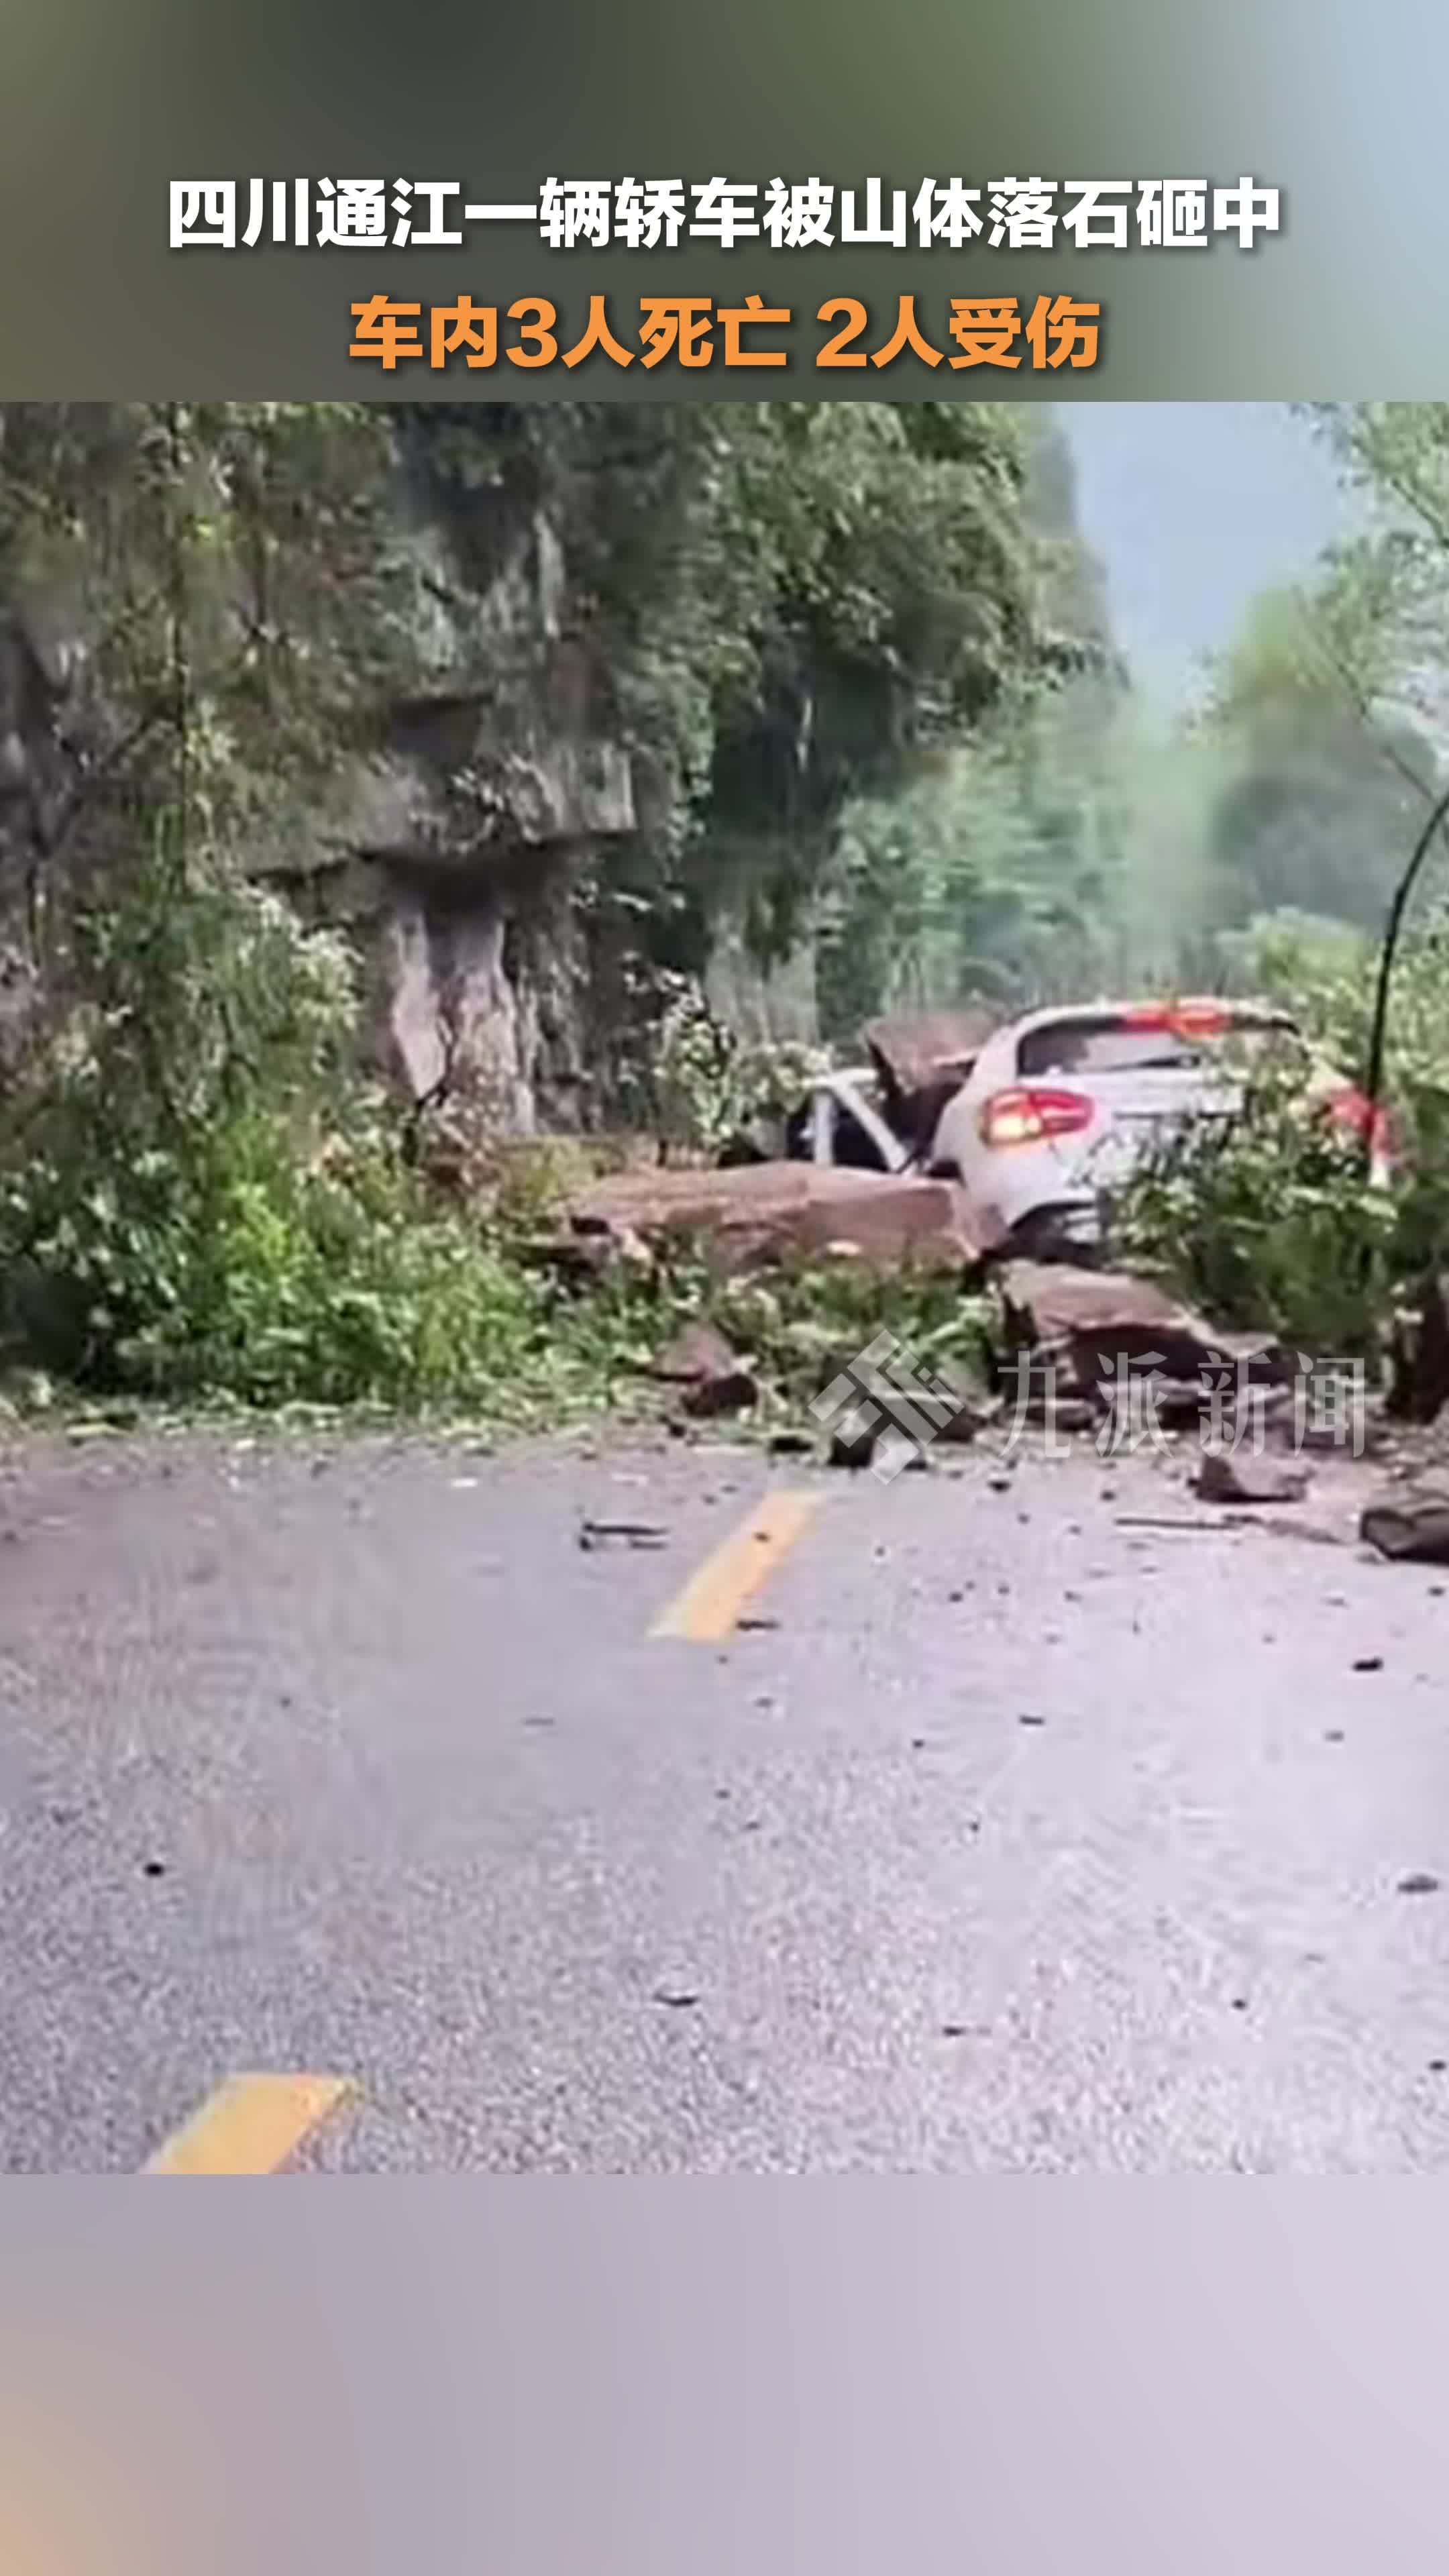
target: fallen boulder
<point>950,1409</point>
<point>712,1375</point>
<point>587,1252</point>
<point>923,1059</point>
<point>1411,1527</point>
<point>1225,1477</point>
<point>1093,1323</point>
<point>1420,1385</point>
<point>761,1211</point>
<point>1177,1402</point>
<point>890,1222</point>
<point>1064,1413</point>
<point>912,1049</point>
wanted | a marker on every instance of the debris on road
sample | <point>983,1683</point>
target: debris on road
<point>1100,1322</point>
<point>1419,1882</point>
<point>1416,1528</point>
<point>1158,1521</point>
<point>781,1260</point>
<point>1315,1533</point>
<point>1066,1414</point>
<point>629,1533</point>
<point>713,1377</point>
<point>1224,1477</point>
<point>922,1416</point>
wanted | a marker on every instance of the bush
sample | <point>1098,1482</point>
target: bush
<point>197,1197</point>
<point>1273,1223</point>
<point>1270,1224</point>
<point>706,1085</point>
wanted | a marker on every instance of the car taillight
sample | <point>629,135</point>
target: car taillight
<point>1028,1116</point>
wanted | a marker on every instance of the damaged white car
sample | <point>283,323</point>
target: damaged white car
<point>1062,1105</point>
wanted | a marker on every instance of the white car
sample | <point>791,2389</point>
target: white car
<point>881,1116</point>
<point>1060,1106</point>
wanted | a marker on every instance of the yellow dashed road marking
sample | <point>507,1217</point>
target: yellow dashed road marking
<point>712,1600</point>
<point>251,2124</point>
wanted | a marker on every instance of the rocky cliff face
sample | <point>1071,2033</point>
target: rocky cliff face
<point>466,677</point>
<point>464,904</point>
<point>41,674</point>
<point>453,853</point>
<point>456,852</point>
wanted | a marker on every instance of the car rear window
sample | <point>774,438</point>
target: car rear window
<point>1116,1044</point>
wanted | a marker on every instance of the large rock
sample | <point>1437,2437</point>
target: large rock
<point>1098,1321</point>
<point>498,776</point>
<point>1420,1386</point>
<point>761,1209</point>
<point>1414,1527</point>
<point>710,1374</point>
<point>922,1059</point>
<point>445,797</point>
<point>1224,1477</point>
<point>453,851</point>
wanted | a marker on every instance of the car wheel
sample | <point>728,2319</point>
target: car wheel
<point>1076,1235</point>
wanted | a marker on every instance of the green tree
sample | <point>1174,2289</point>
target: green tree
<point>1327,776</point>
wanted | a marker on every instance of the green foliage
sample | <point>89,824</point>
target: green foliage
<point>1069,845</point>
<point>798,1325</point>
<point>229,594</point>
<point>1026,865</point>
<point>195,1199</point>
<point>1270,1225</point>
<point>1274,1222</point>
<point>1387,587</point>
<point>1326,775</point>
<point>196,1196</point>
<point>773,606</point>
<point>790,602</point>
<point>706,1086</point>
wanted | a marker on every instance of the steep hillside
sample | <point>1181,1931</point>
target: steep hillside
<point>539,699</point>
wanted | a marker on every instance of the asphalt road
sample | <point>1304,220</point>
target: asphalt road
<point>1018,1839</point>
